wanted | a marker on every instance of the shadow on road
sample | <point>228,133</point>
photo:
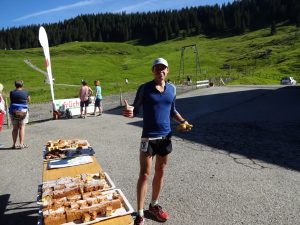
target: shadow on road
<point>258,128</point>
<point>27,212</point>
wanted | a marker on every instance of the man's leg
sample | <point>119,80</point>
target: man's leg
<point>145,170</point>
<point>160,164</point>
<point>154,208</point>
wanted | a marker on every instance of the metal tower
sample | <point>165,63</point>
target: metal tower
<point>197,63</point>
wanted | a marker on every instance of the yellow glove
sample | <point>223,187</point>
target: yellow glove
<point>184,126</point>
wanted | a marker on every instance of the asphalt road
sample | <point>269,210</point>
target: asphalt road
<point>239,165</point>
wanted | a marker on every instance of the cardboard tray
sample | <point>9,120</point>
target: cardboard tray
<point>125,210</point>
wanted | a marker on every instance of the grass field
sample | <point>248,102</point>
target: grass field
<point>254,58</point>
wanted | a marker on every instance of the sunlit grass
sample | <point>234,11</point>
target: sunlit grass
<point>254,58</point>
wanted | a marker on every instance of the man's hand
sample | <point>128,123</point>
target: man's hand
<point>184,126</point>
<point>128,110</point>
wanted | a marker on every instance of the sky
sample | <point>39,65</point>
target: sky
<point>15,13</point>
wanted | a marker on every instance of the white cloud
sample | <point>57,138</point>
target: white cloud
<point>57,9</point>
<point>135,7</point>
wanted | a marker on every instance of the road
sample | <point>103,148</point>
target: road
<point>239,165</point>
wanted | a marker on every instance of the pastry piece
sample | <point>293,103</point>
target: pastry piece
<point>86,195</point>
<point>55,219</point>
<point>56,203</point>
<point>102,198</point>
<point>49,148</point>
<point>86,177</point>
<point>59,194</point>
<point>86,217</point>
<point>74,205</point>
<point>64,180</point>
<point>47,192</point>
<point>67,204</point>
<point>71,184</point>
<point>96,193</point>
<point>116,203</point>
<point>117,196</point>
<point>91,201</point>
<point>100,208</point>
<point>82,203</point>
<point>102,175</point>
<point>62,144</point>
<point>109,211</point>
<point>94,186</point>
<point>71,191</point>
<point>93,214</point>
<point>76,179</point>
<point>73,214</point>
<point>49,144</point>
<point>74,198</point>
<point>59,187</point>
<point>49,184</point>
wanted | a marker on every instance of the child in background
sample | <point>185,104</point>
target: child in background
<point>98,97</point>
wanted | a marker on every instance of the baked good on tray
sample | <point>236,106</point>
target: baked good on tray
<point>66,144</point>
<point>61,148</point>
<point>82,199</point>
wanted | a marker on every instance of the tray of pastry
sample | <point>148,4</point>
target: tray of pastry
<point>61,149</point>
<point>66,186</point>
<point>86,208</point>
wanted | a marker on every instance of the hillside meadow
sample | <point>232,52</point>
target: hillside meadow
<point>253,58</point>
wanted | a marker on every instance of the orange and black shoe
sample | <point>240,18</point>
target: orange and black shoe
<point>139,220</point>
<point>158,213</point>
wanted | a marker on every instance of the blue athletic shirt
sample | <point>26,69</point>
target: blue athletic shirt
<point>158,108</point>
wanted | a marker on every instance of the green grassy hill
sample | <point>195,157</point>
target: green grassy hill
<point>254,58</point>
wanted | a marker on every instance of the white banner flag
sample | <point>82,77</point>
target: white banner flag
<point>44,43</point>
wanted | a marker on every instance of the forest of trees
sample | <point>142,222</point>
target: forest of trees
<point>151,27</point>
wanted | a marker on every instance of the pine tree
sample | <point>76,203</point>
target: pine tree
<point>273,28</point>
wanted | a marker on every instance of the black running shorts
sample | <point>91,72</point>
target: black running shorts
<point>161,147</point>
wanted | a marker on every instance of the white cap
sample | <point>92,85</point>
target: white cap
<point>1,88</point>
<point>160,61</point>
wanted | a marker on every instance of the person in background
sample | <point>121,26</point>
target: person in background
<point>157,99</point>
<point>19,114</point>
<point>2,109</point>
<point>84,93</point>
<point>98,97</point>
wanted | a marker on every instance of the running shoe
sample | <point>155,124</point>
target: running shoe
<point>139,220</point>
<point>158,213</point>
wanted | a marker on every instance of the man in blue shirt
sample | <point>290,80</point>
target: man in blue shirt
<point>157,98</point>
